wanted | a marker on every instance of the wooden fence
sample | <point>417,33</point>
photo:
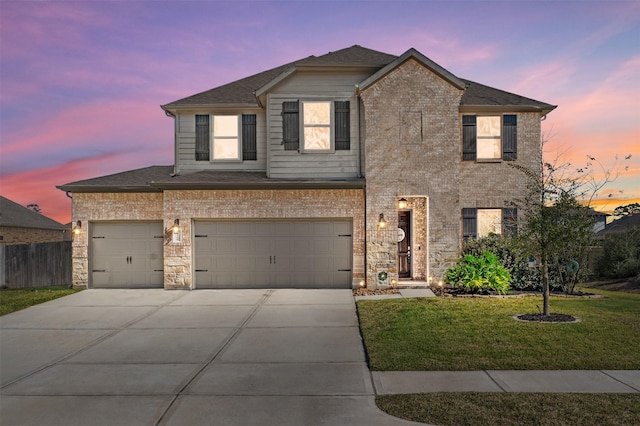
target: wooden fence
<point>35,265</point>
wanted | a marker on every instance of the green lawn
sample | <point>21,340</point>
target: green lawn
<point>15,299</point>
<point>506,409</point>
<point>480,334</point>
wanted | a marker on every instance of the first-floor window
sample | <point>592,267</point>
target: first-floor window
<point>479,223</point>
<point>226,140</point>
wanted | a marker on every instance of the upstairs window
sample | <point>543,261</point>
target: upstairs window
<point>479,223</point>
<point>489,137</point>
<point>316,126</point>
<point>228,137</point>
<point>226,140</point>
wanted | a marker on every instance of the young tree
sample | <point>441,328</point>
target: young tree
<point>558,223</point>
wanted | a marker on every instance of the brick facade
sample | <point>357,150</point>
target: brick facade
<point>422,162</point>
<point>189,205</point>
<point>19,235</point>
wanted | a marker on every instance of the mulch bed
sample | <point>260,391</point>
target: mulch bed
<point>551,318</point>
<point>375,292</point>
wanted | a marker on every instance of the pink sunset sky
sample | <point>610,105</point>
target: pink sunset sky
<point>81,83</point>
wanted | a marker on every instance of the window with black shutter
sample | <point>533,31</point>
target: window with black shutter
<point>509,221</point>
<point>510,137</point>
<point>468,137</point>
<point>202,137</point>
<point>290,125</point>
<point>249,144</point>
<point>469,223</point>
<point>342,125</point>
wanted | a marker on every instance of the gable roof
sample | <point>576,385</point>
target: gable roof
<point>14,215</point>
<point>242,93</point>
<point>623,225</point>
<point>413,54</point>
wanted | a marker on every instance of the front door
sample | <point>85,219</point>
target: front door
<point>404,244</point>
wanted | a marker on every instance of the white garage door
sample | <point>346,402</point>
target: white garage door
<point>127,255</point>
<point>271,254</point>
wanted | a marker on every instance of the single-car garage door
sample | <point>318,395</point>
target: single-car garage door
<point>269,254</point>
<point>127,254</point>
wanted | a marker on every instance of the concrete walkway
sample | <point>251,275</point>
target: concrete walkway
<point>230,357</point>
<point>155,357</point>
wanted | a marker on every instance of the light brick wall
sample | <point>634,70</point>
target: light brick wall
<point>92,207</point>
<point>194,205</point>
<point>256,204</point>
<point>18,235</point>
<point>412,148</point>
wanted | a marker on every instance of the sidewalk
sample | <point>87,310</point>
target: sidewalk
<point>573,381</point>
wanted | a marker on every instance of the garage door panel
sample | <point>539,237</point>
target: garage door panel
<point>273,254</point>
<point>127,254</point>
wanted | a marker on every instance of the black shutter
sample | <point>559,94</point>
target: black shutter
<point>290,125</point>
<point>202,137</point>
<point>510,137</point>
<point>509,221</point>
<point>342,125</point>
<point>468,137</point>
<point>249,145</point>
<point>469,223</point>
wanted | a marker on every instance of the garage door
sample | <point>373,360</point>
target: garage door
<point>271,254</point>
<point>127,255</point>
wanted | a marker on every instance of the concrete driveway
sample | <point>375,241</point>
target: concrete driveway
<point>155,357</point>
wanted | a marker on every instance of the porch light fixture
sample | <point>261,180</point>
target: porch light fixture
<point>77,228</point>
<point>402,203</point>
<point>176,236</point>
<point>381,222</point>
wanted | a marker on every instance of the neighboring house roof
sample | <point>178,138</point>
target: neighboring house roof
<point>14,215</point>
<point>622,225</point>
<point>243,92</point>
<point>158,178</point>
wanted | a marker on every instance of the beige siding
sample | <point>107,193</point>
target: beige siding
<point>186,144</point>
<point>312,86</point>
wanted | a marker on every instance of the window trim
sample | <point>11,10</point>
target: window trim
<point>238,137</point>
<point>332,119</point>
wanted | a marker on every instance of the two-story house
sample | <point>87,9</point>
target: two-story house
<point>355,167</point>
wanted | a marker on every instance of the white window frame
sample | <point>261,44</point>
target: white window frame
<point>302,147</point>
<point>212,157</point>
<point>497,156</point>
<point>488,213</point>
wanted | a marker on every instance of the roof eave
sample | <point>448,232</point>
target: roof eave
<point>107,188</point>
<point>354,184</point>
<point>186,107</point>
<point>546,109</point>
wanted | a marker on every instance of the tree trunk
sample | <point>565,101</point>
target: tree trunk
<point>545,285</point>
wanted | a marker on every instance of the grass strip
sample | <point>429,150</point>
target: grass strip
<point>12,300</point>
<point>539,409</point>
<point>432,334</point>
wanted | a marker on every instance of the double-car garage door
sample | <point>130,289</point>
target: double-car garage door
<point>228,254</point>
<point>267,254</point>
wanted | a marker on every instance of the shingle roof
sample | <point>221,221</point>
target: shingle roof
<point>138,180</point>
<point>14,215</point>
<point>622,225</point>
<point>241,92</point>
<point>478,94</point>
<point>157,178</point>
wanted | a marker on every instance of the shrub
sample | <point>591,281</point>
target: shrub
<point>475,274</point>
<point>621,255</point>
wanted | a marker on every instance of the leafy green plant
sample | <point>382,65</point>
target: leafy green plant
<point>475,274</point>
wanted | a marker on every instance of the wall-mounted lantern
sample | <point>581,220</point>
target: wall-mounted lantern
<point>402,203</point>
<point>77,228</point>
<point>176,232</point>
<point>381,222</point>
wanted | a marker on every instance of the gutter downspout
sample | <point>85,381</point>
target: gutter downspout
<point>175,142</point>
